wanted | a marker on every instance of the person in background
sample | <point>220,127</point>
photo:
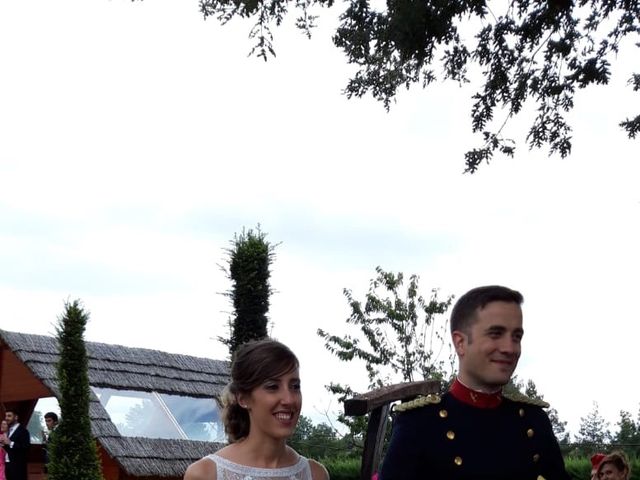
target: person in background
<point>17,448</point>
<point>4,430</point>
<point>261,407</point>
<point>614,466</point>
<point>51,422</point>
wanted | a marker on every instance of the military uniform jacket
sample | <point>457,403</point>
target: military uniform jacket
<point>452,440</point>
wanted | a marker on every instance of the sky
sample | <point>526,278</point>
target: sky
<point>136,139</point>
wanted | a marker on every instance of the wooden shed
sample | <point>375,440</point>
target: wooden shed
<point>152,412</point>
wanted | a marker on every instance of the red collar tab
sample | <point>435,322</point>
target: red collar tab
<point>474,398</point>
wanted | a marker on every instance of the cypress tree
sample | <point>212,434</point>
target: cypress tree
<point>249,260</point>
<point>73,453</point>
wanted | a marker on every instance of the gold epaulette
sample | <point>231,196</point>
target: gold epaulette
<point>521,398</point>
<point>421,401</point>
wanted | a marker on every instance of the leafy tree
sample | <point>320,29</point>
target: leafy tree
<point>594,431</point>
<point>559,427</point>
<point>73,454</point>
<point>541,51</point>
<point>316,441</point>
<point>403,339</point>
<point>628,434</point>
<point>302,432</point>
<point>400,338</point>
<point>249,260</point>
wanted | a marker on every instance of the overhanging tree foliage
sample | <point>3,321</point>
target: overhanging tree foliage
<point>73,454</point>
<point>249,260</point>
<point>541,51</point>
<point>400,337</point>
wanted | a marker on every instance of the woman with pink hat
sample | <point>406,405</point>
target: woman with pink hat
<point>614,466</point>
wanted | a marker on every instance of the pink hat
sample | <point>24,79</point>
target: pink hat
<point>596,458</point>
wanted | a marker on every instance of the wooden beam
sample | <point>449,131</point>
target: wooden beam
<point>365,403</point>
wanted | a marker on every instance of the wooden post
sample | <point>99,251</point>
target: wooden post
<point>374,441</point>
<point>378,403</point>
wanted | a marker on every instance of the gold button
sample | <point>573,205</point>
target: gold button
<point>458,461</point>
<point>536,457</point>
<point>521,412</point>
<point>540,477</point>
<point>443,413</point>
<point>451,435</point>
<point>530,433</point>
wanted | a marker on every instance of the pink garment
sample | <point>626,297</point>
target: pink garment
<point>2,459</point>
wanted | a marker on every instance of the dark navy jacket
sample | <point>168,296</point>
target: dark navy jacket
<point>16,468</point>
<point>452,440</point>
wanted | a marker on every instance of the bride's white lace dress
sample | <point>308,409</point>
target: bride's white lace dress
<point>228,470</point>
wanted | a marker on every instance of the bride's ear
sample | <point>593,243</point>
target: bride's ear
<point>242,401</point>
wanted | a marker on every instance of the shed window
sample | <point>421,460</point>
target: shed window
<point>160,415</point>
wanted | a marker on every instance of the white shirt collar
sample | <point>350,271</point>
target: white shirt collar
<point>13,428</point>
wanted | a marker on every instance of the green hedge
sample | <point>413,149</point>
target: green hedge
<point>579,468</point>
<point>341,468</point>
